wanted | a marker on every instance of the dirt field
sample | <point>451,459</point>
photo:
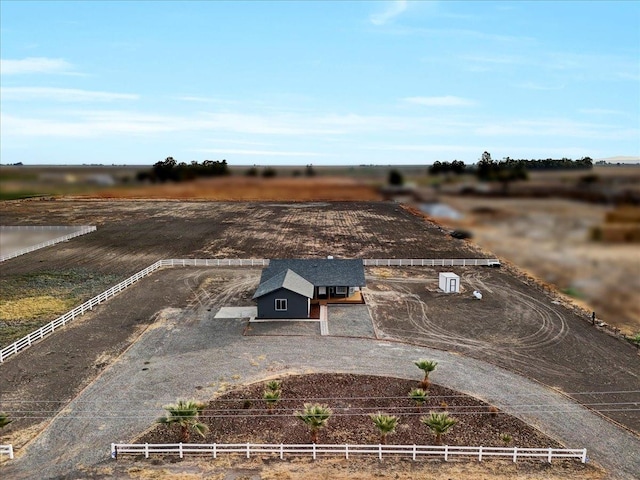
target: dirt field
<point>522,329</point>
<point>551,239</point>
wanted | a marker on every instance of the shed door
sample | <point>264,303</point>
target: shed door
<point>452,285</point>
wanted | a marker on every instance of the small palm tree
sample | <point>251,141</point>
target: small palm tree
<point>273,385</point>
<point>386,424</point>
<point>439,423</point>
<point>419,396</point>
<point>271,397</point>
<point>185,413</point>
<point>316,417</point>
<point>427,366</point>
<point>4,420</point>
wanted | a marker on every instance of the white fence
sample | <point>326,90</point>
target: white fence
<point>83,230</point>
<point>49,328</point>
<point>6,450</point>
<point>25,342</point>
<point>433,262</point>
<point>413,451</point>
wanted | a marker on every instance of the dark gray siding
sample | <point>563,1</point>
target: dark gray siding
<point>297,305</point>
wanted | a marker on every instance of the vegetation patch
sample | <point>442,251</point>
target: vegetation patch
<point>31,300</point>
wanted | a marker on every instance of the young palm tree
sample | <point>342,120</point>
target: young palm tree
<point>273,385</point>
<point>427,366</point>
<point>386,424</point>
<point>185,413</point>
<point>271,397</point>
<point>419,396</point>
<point>315,416</point>
<point>4,420</point>
<point>439,423</point>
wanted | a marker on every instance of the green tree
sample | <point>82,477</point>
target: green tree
<point>439,423</point>
<point>4,420</point>
<point>418,395</point>
<point>316,417</point>
<point>386,424</point>
<point>185,413</point>
<point>427,366</point>
<point>395,178</point>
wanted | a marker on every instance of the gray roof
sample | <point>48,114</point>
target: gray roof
<point>322,272</point>
<point>287,279</point>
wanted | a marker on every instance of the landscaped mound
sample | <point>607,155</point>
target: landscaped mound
<point>243,415</point>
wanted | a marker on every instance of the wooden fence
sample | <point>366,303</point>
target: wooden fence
<point>83,230</point>
<point>6,450</point>
<point>49,328</point>
<point>313,450</point>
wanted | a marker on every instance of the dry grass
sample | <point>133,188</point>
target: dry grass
<point>32,308</point>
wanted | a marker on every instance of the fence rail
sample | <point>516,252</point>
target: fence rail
<point>414,451</point>
<point>432,262</point>
<point>49,328</point>
<point>6,450</point>
<point>83,230</point>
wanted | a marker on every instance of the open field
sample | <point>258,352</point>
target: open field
<point>550,238</point>
<point>572,355</point>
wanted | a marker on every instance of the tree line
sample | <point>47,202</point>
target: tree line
<point>170,169</point>
<point>508,168</point>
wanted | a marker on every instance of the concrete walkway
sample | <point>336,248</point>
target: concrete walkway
<point>186,355</point>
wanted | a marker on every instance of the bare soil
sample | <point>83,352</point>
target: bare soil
<point>554,343</point>
<point>551,239</point>
<point>242,415</point>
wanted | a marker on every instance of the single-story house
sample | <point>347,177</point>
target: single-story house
<point>288,287</point>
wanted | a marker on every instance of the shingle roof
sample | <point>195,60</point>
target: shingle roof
<point>287,279</point>
<point>322,272</point>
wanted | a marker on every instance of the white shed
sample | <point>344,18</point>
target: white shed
<point>449,282</point>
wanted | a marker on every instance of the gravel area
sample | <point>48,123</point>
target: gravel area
<point>190,354</point>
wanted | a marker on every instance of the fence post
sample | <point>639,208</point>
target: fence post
<point>114,451</point>
<point>549,456</point>
<point>515,454</point>
<point>446,453</point>
<point>180,450</point>
<point>281,451</point>
<point>215,453</point>
<point>146,450</point>
<point>584,455</point>
<point>480,453</point>
<point>414,451</point>
<point>248,454</point>
<point>346,451</point>
<point>314,451</point>
<point>379,451</point>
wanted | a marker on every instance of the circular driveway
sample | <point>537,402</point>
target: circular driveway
<point>194,355</point>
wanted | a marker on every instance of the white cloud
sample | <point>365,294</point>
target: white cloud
<point>392,10</point>
<point>35,65</point>
<point>600,111</point>
<point>62,94</point>
<point>446,101</point>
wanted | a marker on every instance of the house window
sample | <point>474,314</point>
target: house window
<point>341,290</point>
<point>281,304</point>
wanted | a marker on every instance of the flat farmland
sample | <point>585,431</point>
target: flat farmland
<point>516,325</point>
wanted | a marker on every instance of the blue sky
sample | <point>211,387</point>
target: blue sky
<point>386,82</point>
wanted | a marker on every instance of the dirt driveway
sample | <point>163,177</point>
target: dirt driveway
<point>512,327</point>
<point>189,353</point>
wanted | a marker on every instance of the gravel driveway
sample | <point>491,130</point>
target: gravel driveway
<point>195,355</point>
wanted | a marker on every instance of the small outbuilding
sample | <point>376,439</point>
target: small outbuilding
<point>449,282</point>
